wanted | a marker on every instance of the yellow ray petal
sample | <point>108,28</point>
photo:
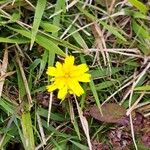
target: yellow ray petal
<point>84,77</point>
<point>60,82</point>
<point>69,60</point>
<point>58,65</point>
<point>68,64</point>
<point>75,87</point>
<point>62,93</point>
<point>80,69</point>
<point>51,71</point>
<point>51,88</point>
<point>67,77</point>
<point>59,69</point>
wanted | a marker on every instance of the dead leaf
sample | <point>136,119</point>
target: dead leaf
<point>112,113</point>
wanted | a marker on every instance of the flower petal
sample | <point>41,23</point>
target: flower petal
<point>68,64</point>
<point>75,87</point>
<point>59,70</point>
<point>83,67</point>
<point>58,65</point>
<point>60,82</point>
<point>51,71</point>
<point>85,77</point>
<point>80,69</point>
<point>66,77</point>
<point>52,87</point>
<point>69,61</point>
<point>62,93</point>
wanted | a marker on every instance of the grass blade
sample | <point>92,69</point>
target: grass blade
<point>13,40</point>
<point>48,37</point>
<point>113,30</point>
<point>143,88</point>
<point>37,19</point>
<point>140,6</point>
<point>27,131</point>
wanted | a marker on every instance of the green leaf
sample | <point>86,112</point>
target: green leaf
<point>54,116</point>
<point>39,10</point>
<point>143,35</point>
<point>78,38</point>
<point>49,45</point>
<point>41,40</point>
<point>56,21</point>
<point>13,40</point>
<point>60,4</point>
<point>140,30</point>
<point>49,27</point>
<point>33,65</point>
<point>48,38</point>
<point>104,85</point>
<point>15,17</point>
<point>81,146</point>
<point>21,86</point>
<point>113,30</point>
<point>43,63</point>
<point>27,131</point>
<point>2,1</point>
<point>6,106</point>
<point>135,14</point>
<point>105,72</point>
<point>140,6</point>
<point>143,88</point>
<point>8,133</point>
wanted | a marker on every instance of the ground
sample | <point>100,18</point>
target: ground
<point>111,111</point>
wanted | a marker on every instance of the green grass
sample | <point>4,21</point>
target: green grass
<point>114,41</point>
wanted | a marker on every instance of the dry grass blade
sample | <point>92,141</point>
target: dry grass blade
<point>99,40</point>
<point>134,84</point>
<point>144,107</point>
<point>84,124</point>
<point>49,108</point>
<point>136,102</point>
<point>72,116</point>
<point>73,22</point>
<point>118,51</point>
<point>41,129</point>
<point>121,88</point>
<point>129,112</point>
<point>71,4</point>
<point>6,75</point>
<point>110,9</point>
<point>90,24</point>
<point>132,132</point>
<point>30,4</point>
<point>3,69</point>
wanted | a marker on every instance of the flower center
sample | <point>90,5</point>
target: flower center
<point>67,75</point>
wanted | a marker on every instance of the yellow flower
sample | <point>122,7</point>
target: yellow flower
<point>67,77</point>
